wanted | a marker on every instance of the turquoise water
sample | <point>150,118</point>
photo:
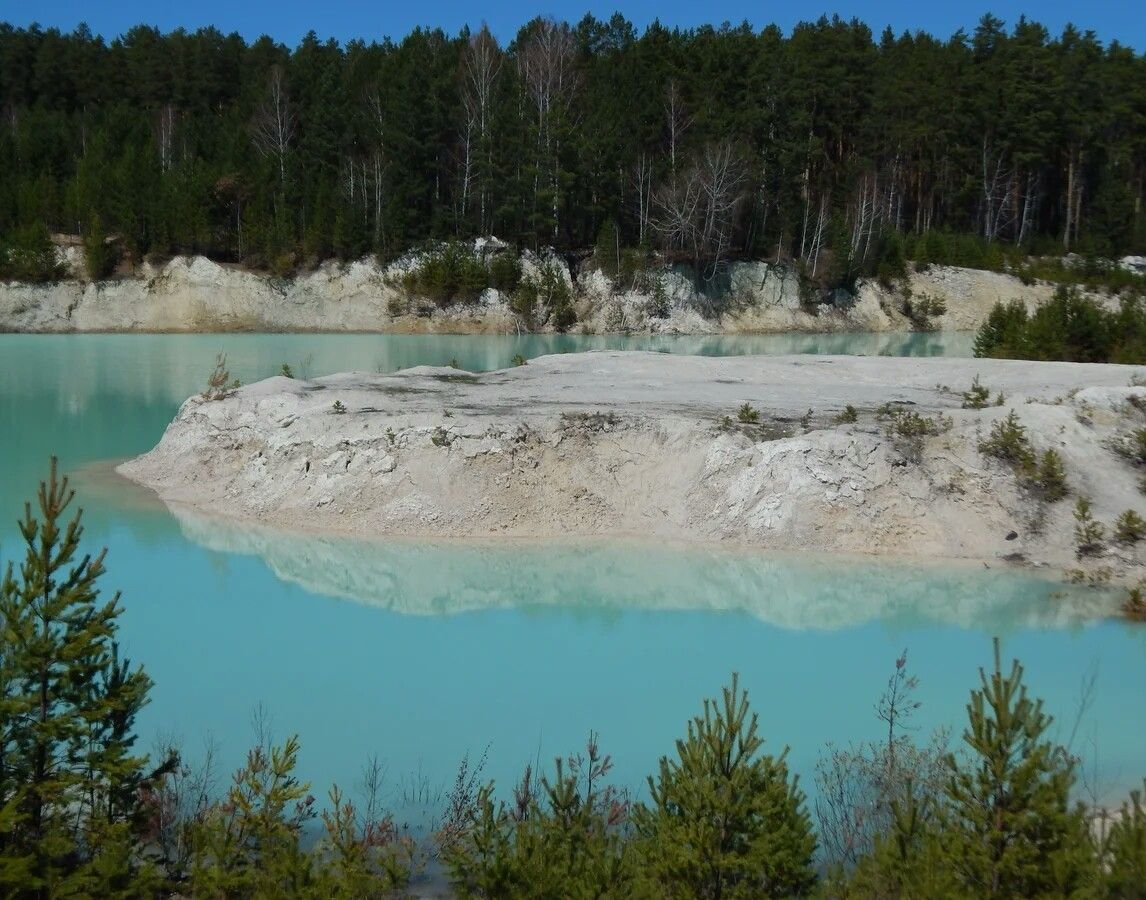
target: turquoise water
<point>420,652</point>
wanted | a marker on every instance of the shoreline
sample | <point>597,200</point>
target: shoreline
<point>104,475</point>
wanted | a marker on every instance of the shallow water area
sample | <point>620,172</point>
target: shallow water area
<point>419,652</point>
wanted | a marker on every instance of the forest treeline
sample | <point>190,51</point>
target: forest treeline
<point>705,144</point>
<point>84,813</point>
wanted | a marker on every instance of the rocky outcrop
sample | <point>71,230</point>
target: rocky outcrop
<point>197,295</point>
<point>640,444</point>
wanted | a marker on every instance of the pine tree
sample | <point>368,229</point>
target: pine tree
<point>250,845</point>
<point>100,257</point>
<point>1126,851</point>
<point>563,837</point>
<point>726,820</point>
<point>908,860</point>
<point>1009,826</point>
<point>72,813</point>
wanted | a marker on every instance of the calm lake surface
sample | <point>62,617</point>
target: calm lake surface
<point>419,653</point>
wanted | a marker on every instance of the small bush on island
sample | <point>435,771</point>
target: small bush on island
<point>1134,609</point>
<point>1048,479</point>
<point>908,429</point>
<point>1043,475</point>
<point>1131,446</point>
<point>1129,528</point>
<point>849,416</point>
<point>219,383</point>
<point>1089,533</point>
<point>978,396</point>
<point>748,414</point>
<point>909,424</point>
<point>1008,442</point>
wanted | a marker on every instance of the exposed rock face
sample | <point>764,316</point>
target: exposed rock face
<point>196,295</point>
<point>639,444</point>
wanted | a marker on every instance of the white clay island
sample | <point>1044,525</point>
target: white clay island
<point>651,445</point>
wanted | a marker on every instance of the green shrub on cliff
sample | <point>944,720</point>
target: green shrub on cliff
<point>1067,327</point>
<point>28,254</point>
<point>447,275</point>
<point>545,298</point>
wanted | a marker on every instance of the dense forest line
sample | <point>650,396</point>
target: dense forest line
<point>83,813</point>
<point>705,144</point>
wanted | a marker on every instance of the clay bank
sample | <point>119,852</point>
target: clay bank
<point>815,454</point>
<point>193,294</point>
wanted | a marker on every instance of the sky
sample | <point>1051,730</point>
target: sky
<point>288,20</point>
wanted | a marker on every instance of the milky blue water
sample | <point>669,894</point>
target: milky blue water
<point>419,653</point>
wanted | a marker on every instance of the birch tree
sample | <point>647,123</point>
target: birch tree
<point>378,163</point>
<point>274,126</point>
<point>677,121</point>
<point>696,214</point>
<point>546,65</point>
<point>481,66</point>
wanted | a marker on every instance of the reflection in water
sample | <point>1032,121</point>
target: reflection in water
<point>794,592</point>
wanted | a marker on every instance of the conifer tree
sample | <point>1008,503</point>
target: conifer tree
<point>1126,851</point>
<point>908,860</point>
<point>563,837</point>
<point>99,256</point>
<point>250,844</point>
<point>72,809</point>
<point>1009,826</point>
<point>725,819</point>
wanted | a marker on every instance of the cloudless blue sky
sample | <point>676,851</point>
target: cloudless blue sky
<point>289,20</point>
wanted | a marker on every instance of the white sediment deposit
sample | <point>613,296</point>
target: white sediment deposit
<point>647,444</point>
<point>193,294</point>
